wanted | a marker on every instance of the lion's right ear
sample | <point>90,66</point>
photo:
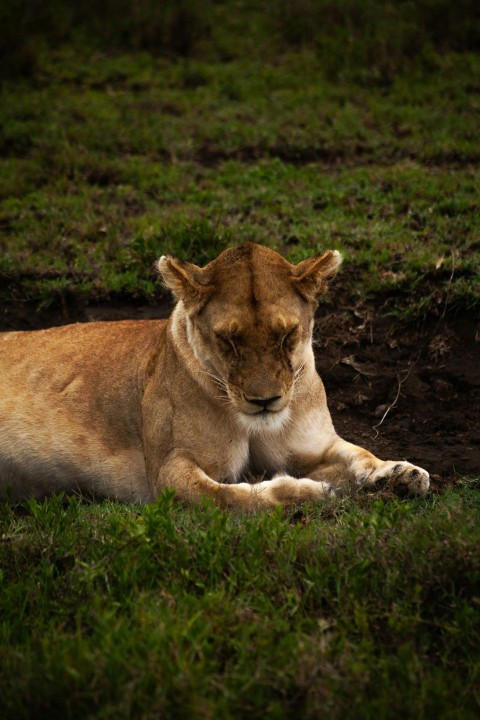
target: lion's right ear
<point>186,281</point>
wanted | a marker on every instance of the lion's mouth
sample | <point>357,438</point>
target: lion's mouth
<point>264,420</point>
<point>263,405</point>
<point>265,412</point>
<point>260,408</point>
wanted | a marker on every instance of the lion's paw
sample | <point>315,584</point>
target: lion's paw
<point>286,490</point>
<point>402,477</point>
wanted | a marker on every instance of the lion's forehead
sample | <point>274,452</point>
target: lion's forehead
<point>252,275</point>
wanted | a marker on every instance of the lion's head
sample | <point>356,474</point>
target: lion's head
<point>249,317</point>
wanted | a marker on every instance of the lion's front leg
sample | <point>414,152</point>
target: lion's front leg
<point>191,483</point>
<point>365,470</point>
<point>370,472</point>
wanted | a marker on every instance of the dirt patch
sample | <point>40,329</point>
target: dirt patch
<point>404,392</point>
<point>401,391</point>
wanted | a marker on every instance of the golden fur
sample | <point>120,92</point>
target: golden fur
<point>225,390</point>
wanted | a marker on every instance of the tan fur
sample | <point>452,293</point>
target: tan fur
<point>223,391</point>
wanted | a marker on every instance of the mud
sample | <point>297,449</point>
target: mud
<point>404,392</point>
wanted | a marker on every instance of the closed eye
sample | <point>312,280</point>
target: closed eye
<point>228,343</point>
<point>288,339</point>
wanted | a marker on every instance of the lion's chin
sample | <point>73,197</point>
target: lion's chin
<point>262,422</point>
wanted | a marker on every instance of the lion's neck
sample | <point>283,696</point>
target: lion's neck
<point>179,336</point>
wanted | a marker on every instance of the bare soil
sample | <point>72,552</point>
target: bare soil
<point>402,391</point>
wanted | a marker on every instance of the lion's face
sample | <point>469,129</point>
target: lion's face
<point>249,323</point>
<point>256,353</point>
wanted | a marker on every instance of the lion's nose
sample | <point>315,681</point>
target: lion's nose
<point>262,402</point>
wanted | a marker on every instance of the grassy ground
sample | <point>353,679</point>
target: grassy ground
<point>361,608</point>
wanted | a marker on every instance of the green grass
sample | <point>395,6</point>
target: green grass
<point>371,41</point>
<point>108,161</point>
<point>361,606</point>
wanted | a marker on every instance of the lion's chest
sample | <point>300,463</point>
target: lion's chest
<point>255,456</point>
<point>237,460</point>
<point>267,454</point>
<point>287,449</point>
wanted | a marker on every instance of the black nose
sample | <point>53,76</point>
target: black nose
<point>262,402</point>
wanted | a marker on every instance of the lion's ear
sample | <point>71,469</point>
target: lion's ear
<point>186,281</point>
<point>311,276</point>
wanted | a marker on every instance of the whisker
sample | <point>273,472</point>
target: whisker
<point>296,377</point>
<point>218,380</point>
<point>298,372</point>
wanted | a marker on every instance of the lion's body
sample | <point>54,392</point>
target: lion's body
<point>70,408</point>
<point>225,390</point>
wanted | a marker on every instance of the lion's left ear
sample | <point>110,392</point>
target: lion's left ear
<point>186,281</point>
<point>311,276</point>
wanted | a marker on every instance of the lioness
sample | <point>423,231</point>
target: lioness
<point>225,390</point>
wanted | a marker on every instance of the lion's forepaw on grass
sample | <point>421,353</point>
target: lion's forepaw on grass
<point>401,477</point>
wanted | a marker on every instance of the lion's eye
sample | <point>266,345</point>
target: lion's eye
<point>288,340</point>
<point>228,343</point>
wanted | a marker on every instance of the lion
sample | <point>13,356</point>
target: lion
<point>220,401</point>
